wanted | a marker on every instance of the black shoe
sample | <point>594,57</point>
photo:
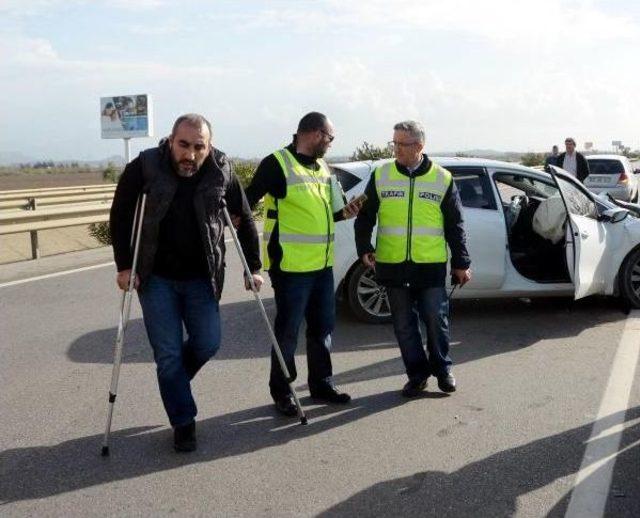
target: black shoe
<point>184,437</point>
<point>447,383</point>
<point>330,395</point>
<point>286,406</point>
<point>413,388</point>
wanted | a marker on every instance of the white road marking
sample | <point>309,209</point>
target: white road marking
<point>56,274</point>
<point>67,272</point>
<point>591,487</point>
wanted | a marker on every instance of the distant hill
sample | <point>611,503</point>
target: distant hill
<point>12,158</point>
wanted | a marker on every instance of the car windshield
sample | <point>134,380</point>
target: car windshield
<point>530,186</point>
<point>600,166</point>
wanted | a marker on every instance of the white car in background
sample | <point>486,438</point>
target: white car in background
<point>519,237</point>
<point>613,175</point>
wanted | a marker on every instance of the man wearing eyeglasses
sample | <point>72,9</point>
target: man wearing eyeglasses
<point>418,211</point>
<point>298,242</point>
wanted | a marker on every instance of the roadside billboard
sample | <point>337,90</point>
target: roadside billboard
<point>126,116</point>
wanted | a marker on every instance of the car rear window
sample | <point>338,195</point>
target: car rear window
<point>605,167</point>
<point>346,179</point>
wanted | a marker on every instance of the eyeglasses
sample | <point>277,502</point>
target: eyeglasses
<point>393,143</point>
<point>328,135</point>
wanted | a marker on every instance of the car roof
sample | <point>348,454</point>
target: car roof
<point>607,157</point>
<point>365,167</point>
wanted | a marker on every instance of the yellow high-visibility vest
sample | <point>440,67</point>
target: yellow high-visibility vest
<point>410,220</point>
<point>304,217</point>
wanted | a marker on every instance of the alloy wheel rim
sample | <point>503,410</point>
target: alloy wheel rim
<point>372,297</point>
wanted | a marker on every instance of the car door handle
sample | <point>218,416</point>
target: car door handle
<point>583,234</point>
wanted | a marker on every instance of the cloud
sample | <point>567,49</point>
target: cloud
<point>510,75</point>
<point>154,29</point>
<point>37,55</point>
<point>136,5</point>
<point>501,22</point>
<point>26,51</point>
<point>33,8</point>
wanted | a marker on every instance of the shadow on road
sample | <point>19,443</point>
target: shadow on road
<point>488,487</point>
<point>483,328</point>
<point>491,486</point>
<point>479,328</point>
<point>40,472</point>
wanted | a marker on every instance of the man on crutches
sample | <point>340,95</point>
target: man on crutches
<point>180,269</point>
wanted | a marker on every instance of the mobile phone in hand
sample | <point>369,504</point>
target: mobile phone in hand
<point>359,199</point>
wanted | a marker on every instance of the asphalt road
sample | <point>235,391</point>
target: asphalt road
<point>509,442</point>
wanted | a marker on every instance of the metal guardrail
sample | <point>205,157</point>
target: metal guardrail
<point>55,192</point>
<point>13,222</point>
<point>27,203</point>
<point>42,209</point>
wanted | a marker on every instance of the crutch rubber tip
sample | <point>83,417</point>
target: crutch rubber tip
<point>105,451</point>
<point>303,420</point>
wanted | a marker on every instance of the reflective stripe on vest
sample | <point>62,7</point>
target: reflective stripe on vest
<point>410,220</point>
<point>304,217</point>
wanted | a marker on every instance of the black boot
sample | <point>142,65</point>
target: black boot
<point>329,394</point>
<point>413,388</point>
<point>447,383</point>
<point>184,437</point>
<point>286,406</point>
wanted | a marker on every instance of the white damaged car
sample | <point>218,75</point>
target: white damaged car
<point>521,242</point>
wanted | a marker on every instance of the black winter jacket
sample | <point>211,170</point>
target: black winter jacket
<point>582,165</point>
<point>152,172</point>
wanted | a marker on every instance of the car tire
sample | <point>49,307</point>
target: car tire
<point>630,287</point>
<point>367,299</point>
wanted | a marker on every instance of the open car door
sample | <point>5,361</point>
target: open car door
<point>585,237</point>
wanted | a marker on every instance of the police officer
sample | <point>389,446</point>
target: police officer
<point>298,242</point>
<point>418,212</point>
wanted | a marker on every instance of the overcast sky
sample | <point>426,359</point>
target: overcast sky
<point>505,75</point>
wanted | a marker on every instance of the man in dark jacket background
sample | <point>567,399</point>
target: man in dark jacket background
<point>551,159</point>
<point>180,271</point>
<point>418,211</point>
<point>572,161</point>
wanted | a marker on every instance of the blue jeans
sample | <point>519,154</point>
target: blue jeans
<point>167,305</point>
<point>431,305</point>
<point>310,296</point>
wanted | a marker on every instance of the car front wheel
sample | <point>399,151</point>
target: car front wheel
<point>367,299</point>
<point>629,279</point>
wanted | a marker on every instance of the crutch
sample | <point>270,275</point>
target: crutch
<point>274,341</point>
<point>125,310</point>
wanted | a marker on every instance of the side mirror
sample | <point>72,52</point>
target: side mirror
<point>613,215</point>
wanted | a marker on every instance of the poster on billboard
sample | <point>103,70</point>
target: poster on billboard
<point>126,116</point>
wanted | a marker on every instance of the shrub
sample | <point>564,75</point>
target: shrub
<point>532,159</point>
<point>111,173</point>
<point>370,152</point>
<point>100,231</point>
<point>245,170</point>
